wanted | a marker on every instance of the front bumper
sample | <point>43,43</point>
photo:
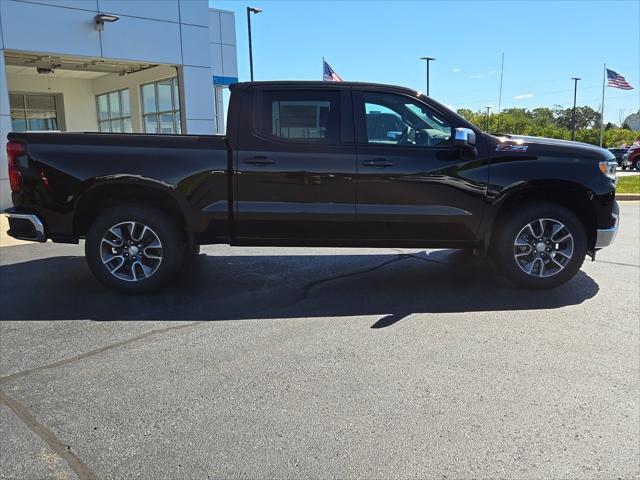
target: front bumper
<point>25,226</point>
<point>606,236</point>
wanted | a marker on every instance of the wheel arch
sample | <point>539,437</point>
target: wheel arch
<point>573,196</point>
<point>112,193</point>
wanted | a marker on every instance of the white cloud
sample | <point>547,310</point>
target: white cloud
<point>477,75</point>
<point>493,72</point>
<point>456,70</point>
<point>523,96</point>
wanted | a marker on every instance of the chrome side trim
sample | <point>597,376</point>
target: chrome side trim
<point>606,236</point>
<point>35,221</point>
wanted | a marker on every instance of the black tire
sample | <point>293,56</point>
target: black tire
<point>508,230</point>
<point>191,251</point>
<point>171,251</point>
<point>191,256</point>
<point>636,165</point>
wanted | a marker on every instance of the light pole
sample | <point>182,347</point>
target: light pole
<point>251,10</point>
<point>488,107</point>
<point>573,114</point>
<point>428,60</point>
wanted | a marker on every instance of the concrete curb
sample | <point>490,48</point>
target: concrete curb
<point>6,240</point>
<point>627,196</point>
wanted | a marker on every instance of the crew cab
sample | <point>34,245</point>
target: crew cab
<point>315,164</point>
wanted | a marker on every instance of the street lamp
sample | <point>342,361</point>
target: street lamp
<point>251,10</point>
<point>428,60</point>
<point>488,107</point>
<point>573,114</point>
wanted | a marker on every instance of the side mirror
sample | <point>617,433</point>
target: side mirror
<point>464,138</point>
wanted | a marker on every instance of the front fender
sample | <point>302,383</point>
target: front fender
<point>575,196</point>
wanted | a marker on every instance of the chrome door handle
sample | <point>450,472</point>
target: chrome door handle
<point>260,161</point>
<point>378,163</point>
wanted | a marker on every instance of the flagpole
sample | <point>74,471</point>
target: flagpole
<point>322,68</point>
<point>500,92</point>
<point>604,78</point>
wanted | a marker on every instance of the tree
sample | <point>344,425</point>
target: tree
<point>616,137</point>
<point>552,123</point>
<point>586,117</point>
<point>543,117</point>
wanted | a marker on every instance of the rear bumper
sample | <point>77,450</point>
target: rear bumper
<point>606,236</point>
<point>25,226</point>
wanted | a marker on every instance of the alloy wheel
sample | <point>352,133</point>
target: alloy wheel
<point>543,247</point>
<point>131,251</point>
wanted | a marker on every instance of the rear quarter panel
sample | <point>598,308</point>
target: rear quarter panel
<point>62,168</point>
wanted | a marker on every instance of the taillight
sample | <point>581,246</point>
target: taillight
<point>14,150</point>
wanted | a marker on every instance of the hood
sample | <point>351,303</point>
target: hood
<point>565,147</point>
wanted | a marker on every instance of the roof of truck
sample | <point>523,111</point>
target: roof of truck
<point>317,83</point>
<point>322,84</point>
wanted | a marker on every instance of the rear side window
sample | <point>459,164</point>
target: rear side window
<point>300,116</point>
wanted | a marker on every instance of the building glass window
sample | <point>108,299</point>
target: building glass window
<point>33,112</point>
<point>114,112</point>
<point>161,107</point>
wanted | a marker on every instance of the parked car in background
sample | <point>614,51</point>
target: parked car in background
<point>631,159</point>
<point>618,153</point>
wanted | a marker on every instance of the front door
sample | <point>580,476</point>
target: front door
<point>295,169</point>
<point>412,183</point>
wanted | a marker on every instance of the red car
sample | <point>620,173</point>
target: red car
<point>632,158</point>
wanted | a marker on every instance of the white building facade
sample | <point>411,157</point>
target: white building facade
<point>113,66</point>
<point>633,122</point>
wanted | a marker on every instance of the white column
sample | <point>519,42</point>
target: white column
<point>197,100</point>
<point>5,128</point>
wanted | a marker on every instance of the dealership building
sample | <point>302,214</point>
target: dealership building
<point>113,66</point>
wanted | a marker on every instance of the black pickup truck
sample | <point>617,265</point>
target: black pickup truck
<point>316,164</point>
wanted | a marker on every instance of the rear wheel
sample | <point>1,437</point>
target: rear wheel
<point>134,249</point>
<point>191,251</point>
<point>540,245</point>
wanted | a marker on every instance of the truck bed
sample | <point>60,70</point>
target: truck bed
<point>76,166</point>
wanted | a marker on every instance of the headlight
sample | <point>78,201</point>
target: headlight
<point>608,168</point>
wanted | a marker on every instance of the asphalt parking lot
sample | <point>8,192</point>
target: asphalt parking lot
<point>320,363</point>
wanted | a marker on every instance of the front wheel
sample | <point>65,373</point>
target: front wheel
<point>134,249</point>
<point>540,245</point>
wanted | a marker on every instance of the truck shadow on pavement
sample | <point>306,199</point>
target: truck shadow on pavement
<point>214,288</point>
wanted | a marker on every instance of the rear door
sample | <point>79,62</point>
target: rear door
<point>295,166</point>
<point>412,182</point>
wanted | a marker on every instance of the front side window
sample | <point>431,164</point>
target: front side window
<point>392,119</point>
<point>114,112</point>
<point>33,112</point>
<point>161,107</point>
<point>300,116</point>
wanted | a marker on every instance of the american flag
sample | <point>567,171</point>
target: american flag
<point>328,75</point>
<point>617,81</point>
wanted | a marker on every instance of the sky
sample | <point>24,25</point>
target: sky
<point>544,42</point>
